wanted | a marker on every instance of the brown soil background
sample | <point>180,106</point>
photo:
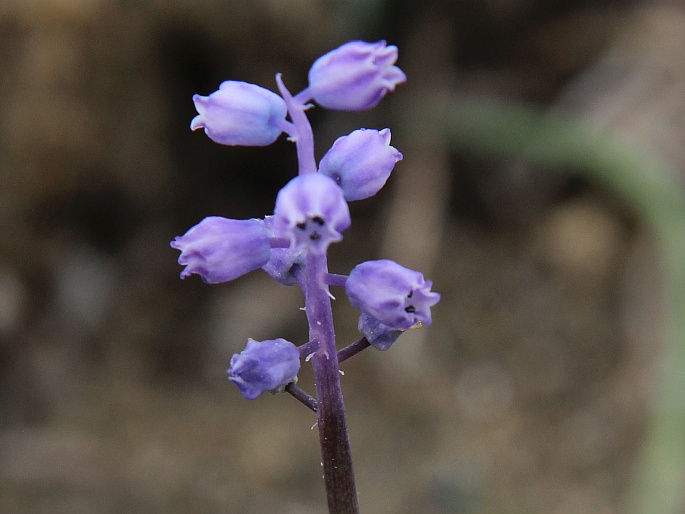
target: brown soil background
<point>529,392</point>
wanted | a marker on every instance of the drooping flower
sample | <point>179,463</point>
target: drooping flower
<point>394,295</point>
<point>240,113</point>
<point>312,212</point>
<point>360,162</point>
<point>220,249</point>
<point>264,366</point>
<point>379,335</point>
<point>355,76</point>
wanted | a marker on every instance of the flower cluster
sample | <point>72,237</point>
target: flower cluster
<point>310,211</point>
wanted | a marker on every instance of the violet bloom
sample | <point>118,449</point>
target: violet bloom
<point>264,366</point>
<point>360,162</point>
<point>311,211</point>
<point>379,335</point>
<point>240,113</point>
<point>220,249</point>
<point>396,296</point>
<point>354,76</point>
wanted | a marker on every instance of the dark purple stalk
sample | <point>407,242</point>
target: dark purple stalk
<point>335,446</point>
<point>353,349</point>
<point>307,349</point>
<point>336,454</point>
<point>300,395</point>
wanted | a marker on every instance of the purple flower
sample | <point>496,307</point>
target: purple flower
<point>360,162</point>
<point>311,211</point>
<point>264,366</point>
<point>221,249</point>
<point>394,295</point>
<point>379,335</point>
<point>240,114</point>
<point>282,260</point>
<point>355,76</point>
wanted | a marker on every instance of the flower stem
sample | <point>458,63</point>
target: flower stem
<point>304,138</point>
<point>335,446</point>
<point>336,455</point>
<point>353,349</point>
<point>301,395</point>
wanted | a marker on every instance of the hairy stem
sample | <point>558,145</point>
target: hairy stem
<point>335,446</point>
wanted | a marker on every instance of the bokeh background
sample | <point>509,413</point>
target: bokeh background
<point>528,394</point>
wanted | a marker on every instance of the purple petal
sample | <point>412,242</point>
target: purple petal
<point>394,295</point>
<point>312,212</point>
<point>360,162</point>
<point>283,260</point>
<point>220,249</point>
<point>355,76</point>
<point>379,335</point>
<point>240,113</point>
<point>264,366</point>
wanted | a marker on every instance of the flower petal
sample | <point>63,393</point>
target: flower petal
<point>394,295</point>
<point>311,211</point>
<point>220,249</point>
<point>264,366</point>
<point>355,76</point>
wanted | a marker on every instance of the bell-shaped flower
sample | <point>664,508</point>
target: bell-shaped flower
<point>312,212</point>
<point>264,366</point>
<point>360,162</point>
<point>220,249</point>
<point>240,113</point>
<point>379,335</point>
<point>283,260</point>
<point>354,76</point>
<point>394,295</point>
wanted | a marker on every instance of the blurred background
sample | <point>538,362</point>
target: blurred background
<point>529,392</point>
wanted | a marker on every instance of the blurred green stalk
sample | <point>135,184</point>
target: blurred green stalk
<point>646,184</point>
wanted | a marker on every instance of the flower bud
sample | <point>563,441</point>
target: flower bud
<point>311,211</point>
<point>355,76</point>
<point>394,295</point>
<point>221,249</point>
<point>240,113</point>
<point>264,366</point>
<point>379,335</point>
<point>360,162</point>
<point>282,260</point>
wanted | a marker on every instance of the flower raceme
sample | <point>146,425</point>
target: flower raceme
<point>264,366</point>
<point>310,211</point>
